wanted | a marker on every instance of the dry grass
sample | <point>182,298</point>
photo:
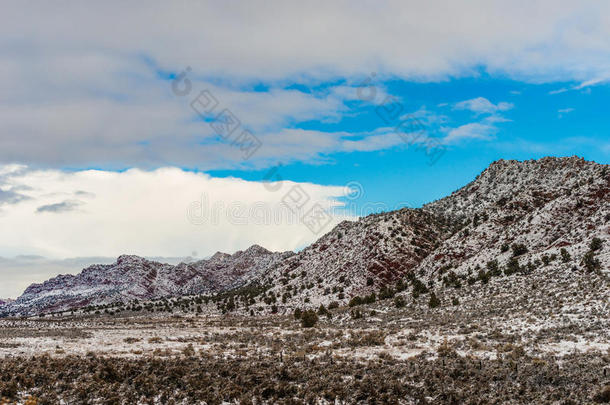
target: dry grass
<point>189,378</point>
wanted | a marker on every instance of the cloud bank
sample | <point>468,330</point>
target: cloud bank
<point>102,97</point>
<point>163,212</point>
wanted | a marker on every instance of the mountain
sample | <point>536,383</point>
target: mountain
<point>136,278</point>
<point>514,218</point>
<point>544,205</point>
<point>5,301</point>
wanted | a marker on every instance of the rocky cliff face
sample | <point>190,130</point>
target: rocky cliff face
<point>514,218</point>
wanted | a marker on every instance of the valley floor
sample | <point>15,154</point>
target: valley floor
<point>482,351</point>
<point>544,338</point>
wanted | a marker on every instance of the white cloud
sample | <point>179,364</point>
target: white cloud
<point>372,142</point>
<point>165,212</point>
<point>276,39</point>
<point>585,86</point>
<point>148,126</point>
<point>481,105</point>
<point>593,82</point>
<point>564,111</point>
<point>486,128</point>
<point>559,91</point>
<point>474,130</point>
<point>80,85</point>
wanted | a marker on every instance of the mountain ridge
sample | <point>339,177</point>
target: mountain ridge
<point>546,205</point>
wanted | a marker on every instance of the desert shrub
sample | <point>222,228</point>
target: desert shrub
<point>590,262</point>
<point>603,396</point>
<point>565,255</point>
<point>434,301</point>
<point>504,247</point>
<point>519,249</point>
<point>369,299</point>
<point>297,313</point>
<point>207,379</point>
<point>596,244</point>
<point>418,287</point>
<point>9,389</point>
<point>399,302</point>
<point>445,349</point>
<point>333,305</point>
<point>483,276</point>
<point>308,318</point>
<point>452,279</point>
<point>189,351</point>
<point>512,266</point>
<point>369,281</point>
<point>373,338</point>
<point>455,301</point>
<point>355,301</point>
<point>494,268</point>
<point>386,292</point>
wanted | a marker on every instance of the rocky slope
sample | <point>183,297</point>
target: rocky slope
<point>544,205</point>
<point>536,207</point>
<point>136,278</point>
<point>547,216</point>
<point>358,257</point>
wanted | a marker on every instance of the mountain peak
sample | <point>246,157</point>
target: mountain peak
<point>219,256</point>
<point>129,259</point>
<point>257,250</point>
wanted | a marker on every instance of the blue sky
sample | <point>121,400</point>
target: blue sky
<point>101,154</point>
<point>538,123</point>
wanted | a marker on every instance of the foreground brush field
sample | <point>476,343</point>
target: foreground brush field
<point>481,350</point>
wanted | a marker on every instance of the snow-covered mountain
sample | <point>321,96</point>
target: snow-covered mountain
<point>515,217</point>
<point>544,205</point>
<point>133,277</point>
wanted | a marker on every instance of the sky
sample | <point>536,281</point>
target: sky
<point>179,129</point>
